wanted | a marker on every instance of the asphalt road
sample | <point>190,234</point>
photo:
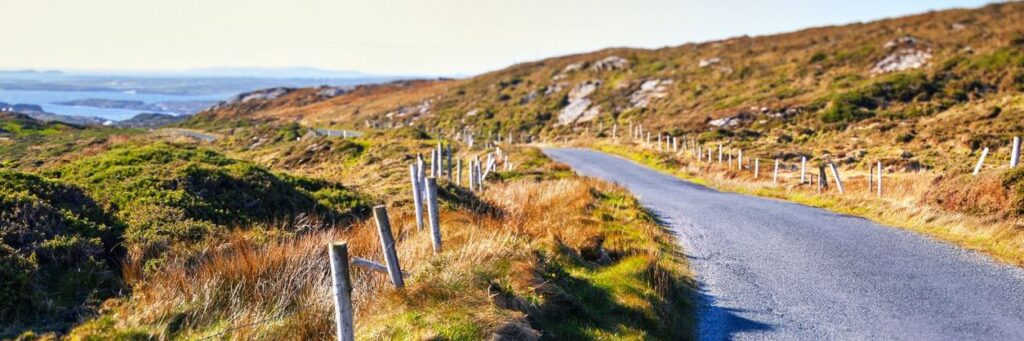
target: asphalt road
<point>769,269</point>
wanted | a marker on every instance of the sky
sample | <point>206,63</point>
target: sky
<point>393,37</point>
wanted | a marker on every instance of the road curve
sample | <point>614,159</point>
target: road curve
<point>770,269</point>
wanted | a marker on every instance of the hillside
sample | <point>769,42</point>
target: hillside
<point>823,91</point>
<point>216,228</point>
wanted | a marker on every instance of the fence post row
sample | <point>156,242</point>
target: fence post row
<point>432,210</point>
<point>387,244</point>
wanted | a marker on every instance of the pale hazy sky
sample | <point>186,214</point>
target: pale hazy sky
<point>444,37</point>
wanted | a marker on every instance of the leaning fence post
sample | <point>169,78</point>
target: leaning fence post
<point>417,197</point>
<point>435,225</point>
<point>981,161</point>
<point>1015,152</point>
<point>835,174</point>
<point>342,289</point>
<point>387,244</point>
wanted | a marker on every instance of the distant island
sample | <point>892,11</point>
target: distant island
<point>175,107</point>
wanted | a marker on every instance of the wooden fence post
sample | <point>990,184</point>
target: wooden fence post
<point>835,174</point>
<point>432,210</point>
<point>1015,152</point>
<point>387,244</point>
<point>803,169</point>
<point>871,177</point>
<point>822,178</point>
<point>719,153</point>
<point>471,180</point>
<point>757,167</point>
<point>739,159</point>
<point>448,157</point>
<point>433,162</point>
<point>458,173</point>
<point>342,290</point>
<point>879,179</point>
<point>417,197</point>
<point>981,161</point>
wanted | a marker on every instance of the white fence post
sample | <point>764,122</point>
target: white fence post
<point>417,197</point>
<point>775,174</point>
<point>342,290</point>
<point>739,159</point>
<point>719,153</point>
<point>432,210</point>
<point>387,244</point>
<point>757,167</point>
<point>1015,152</point>
<point>835,174</point>
<point>803,169</point>
<point>981,161</point>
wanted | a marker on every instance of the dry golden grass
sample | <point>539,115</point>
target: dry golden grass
<point>973,212</point>
<point>492,273</point>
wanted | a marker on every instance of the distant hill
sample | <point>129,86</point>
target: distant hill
<point>151,120</point>
<point>911,90</point>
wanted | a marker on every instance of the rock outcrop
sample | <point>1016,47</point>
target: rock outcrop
<point>906,53</point>
<point>580,108</point>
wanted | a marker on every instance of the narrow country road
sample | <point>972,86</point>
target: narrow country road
<point>769,269</point>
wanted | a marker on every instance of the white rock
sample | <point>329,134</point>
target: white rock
<point>610,63</point>
<point>649,90</point>
<point>709,62</point>
<point>579,104</point>
<point>725,122</point>
<point>902,60</point>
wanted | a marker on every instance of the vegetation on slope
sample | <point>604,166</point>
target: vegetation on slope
<point>58,251</point>
<point>537,255</point>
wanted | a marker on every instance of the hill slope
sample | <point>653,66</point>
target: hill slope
<point>830,91</point>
